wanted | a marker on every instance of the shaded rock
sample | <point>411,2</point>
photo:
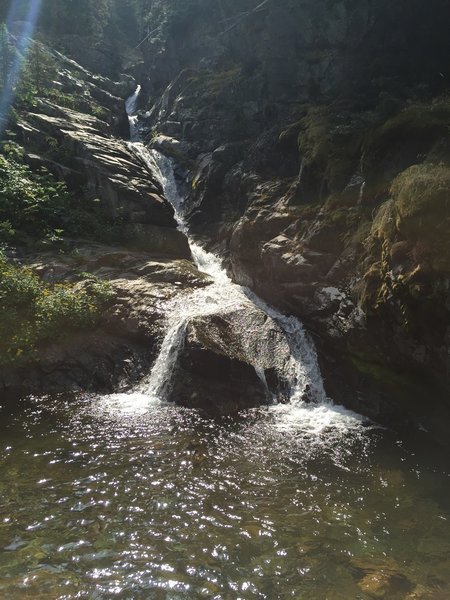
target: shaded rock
<point>215,382</point>
<point>89,361</point>
<point>161,240</point>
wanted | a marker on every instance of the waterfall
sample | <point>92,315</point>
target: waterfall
<point>130,107</point>
<point>301,371</point>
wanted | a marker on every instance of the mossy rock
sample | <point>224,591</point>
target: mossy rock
<point>418,130</point>
<point>331,144</point>
<point>314,138</point>
<point>422,210</point>
<point>214,84</point>
<point>384,222</point>
<point>289,135</point>
<point>407,386</point>
<point>422,200</point>
<point>368,289</point>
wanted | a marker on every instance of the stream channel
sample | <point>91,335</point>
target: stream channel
<point>128,496</point>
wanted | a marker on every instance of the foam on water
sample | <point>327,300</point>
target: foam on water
<point>131,404</point>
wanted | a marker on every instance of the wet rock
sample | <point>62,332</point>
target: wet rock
<point>231,360</point>
<point>376,585</point>
<point>215,382</point>
<point>422,592</point>
<point>382,578</point>
<point>164,241</point>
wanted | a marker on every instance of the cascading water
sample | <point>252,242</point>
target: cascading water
<point>130,107</point>
<point>301,371</point>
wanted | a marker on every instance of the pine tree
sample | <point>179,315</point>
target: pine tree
<point>6,55</point>
<point>40,67</point>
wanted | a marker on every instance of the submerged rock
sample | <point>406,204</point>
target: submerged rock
<point>382,578</point>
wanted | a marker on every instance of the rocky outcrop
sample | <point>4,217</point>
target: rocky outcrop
<point>92,161</point>
<point>317,146</point>
<point>120,350</point>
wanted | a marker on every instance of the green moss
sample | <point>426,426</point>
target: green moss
<point>289,137</point>
<point>419,130</point>
<point>357,236</point>
<point>369,288</point>
<point>314,141</point>
<point>330,143</point>
<point>422,211</point>
<point>417,119</point>
<point>212,85</point>
<point>422,199</point>
<point>384,222</point>
<point>399,385</point>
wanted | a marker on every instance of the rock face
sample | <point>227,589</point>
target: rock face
<point>317,142</point>
<point>81,145</point>
<point>92,159</point>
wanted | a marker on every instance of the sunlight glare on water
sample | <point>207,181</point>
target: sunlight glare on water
<point>121,497</point>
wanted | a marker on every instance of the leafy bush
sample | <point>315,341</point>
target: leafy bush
<point>36,209</point>
<point>32,205</point>
<point>33,312</point>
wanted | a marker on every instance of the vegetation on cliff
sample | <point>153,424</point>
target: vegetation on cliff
<point>38,211</point>
<point>33,312</point>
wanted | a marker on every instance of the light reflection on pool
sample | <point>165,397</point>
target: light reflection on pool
<point>122,497</point>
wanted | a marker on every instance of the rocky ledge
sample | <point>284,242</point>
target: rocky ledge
<point>119,351</point>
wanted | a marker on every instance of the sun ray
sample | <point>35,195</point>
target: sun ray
<point>23,39</point>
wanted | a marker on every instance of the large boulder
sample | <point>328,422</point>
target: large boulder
<point>231,360</point>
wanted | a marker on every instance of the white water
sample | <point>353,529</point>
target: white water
<point>130,106</point>
<point>302,370</point>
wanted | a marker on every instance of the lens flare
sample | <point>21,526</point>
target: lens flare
<point>23,39</point>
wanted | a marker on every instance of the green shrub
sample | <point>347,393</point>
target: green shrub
<point>32,205</point>
<point>33,312</point>
<point>38,210</point>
